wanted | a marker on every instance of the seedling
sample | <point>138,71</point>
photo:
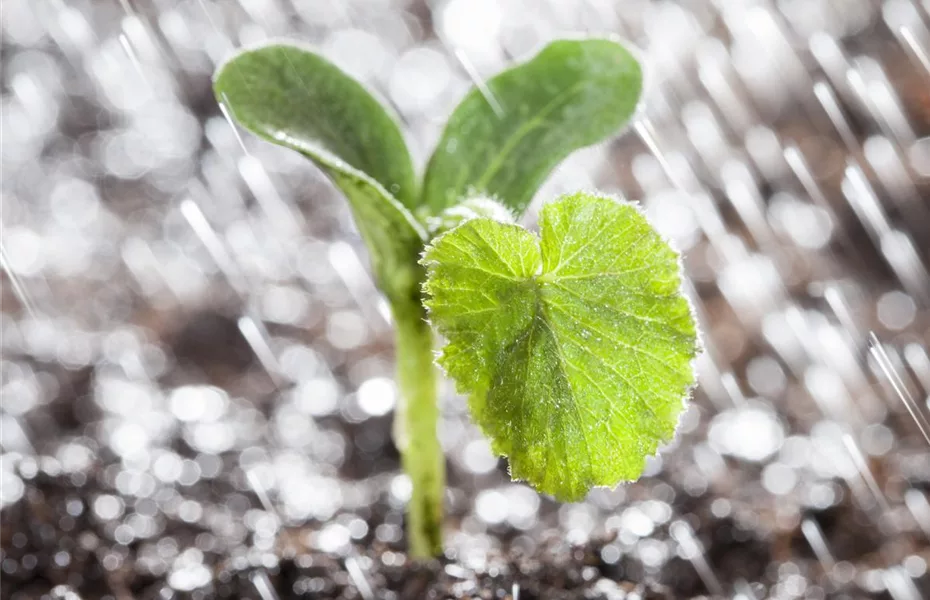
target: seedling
<point>574,346</point>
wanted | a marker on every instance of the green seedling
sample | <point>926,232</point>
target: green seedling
<point>574,346</point>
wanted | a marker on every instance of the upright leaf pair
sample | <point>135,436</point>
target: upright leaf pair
<point>572,94</point>
<point>574,347</point>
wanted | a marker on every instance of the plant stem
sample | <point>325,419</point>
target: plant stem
<point>422,456</point>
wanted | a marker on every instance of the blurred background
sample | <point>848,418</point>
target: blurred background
<point>197,371</point>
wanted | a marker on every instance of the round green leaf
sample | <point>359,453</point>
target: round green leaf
<point>574,347</point>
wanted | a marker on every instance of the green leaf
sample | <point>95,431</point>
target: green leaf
<point>297,99</point>
<point>575,349</point>
<point>574,93</point>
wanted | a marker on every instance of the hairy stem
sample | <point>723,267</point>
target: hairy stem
<point>416,435</point>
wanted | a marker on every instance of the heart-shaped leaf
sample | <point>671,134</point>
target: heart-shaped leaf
<point>504,140</point>
<point>294,97</point>
<point>575,348</point>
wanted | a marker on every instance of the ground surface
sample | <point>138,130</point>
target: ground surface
<point>197,390</point>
